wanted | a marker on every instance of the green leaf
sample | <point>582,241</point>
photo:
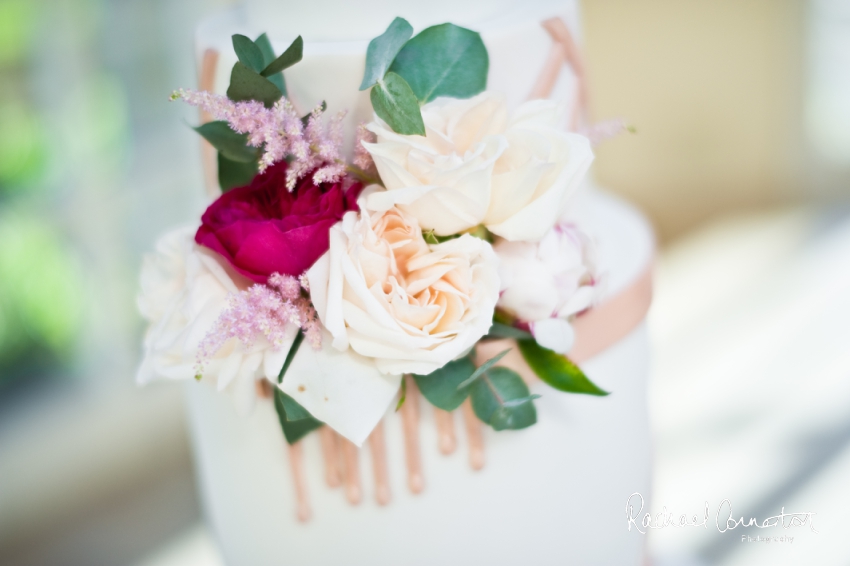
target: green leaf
<point>444,60</point>
<point>383,49</point>
<point>482,368</point>
<point>292,55</point>
<point>294,410</point>
<point>246,84</point>
<point>268,56</point>
<point>293,430</point>
<point>396,104</point>
<point>232,174</point>
<point>482,233</point>
<point>557,370</point>
<point>501,399</point>
<point>499,330</point>
<point>265,45</point>
<point>403,397</point>
<point>299,338</point>
<point>232,145</point>
<point>248,52</point>
<point>441,387</point>
<point>430,237</point>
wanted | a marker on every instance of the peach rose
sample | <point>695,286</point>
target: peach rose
<point>390,296</point>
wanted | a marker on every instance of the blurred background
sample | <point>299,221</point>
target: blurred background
<point>741,159</point>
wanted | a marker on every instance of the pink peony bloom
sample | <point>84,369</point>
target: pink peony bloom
<point>262,228</point>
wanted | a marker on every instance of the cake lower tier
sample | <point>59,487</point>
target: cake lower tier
<point>554,493</point>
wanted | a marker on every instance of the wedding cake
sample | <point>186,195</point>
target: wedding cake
<point>401,478</point>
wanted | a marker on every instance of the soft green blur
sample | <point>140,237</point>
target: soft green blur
<point>44,136</point>
<point>40,300</point>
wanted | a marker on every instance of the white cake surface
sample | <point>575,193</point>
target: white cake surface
<point>554,493</point>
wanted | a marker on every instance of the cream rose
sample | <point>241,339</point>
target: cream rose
<point>475,166</point>
<point>184,288</point>
<point>410,306</point>
<point>545,283</point>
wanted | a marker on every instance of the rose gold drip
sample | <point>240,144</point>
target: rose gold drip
<point>445,431</point>
<point>296,460</point>
<point>353,491</point>
<point>549,73</point>
<point>206,81</point>
<point>560,33</point>
<point>410,423</point>
<point>330,454</point>
<point>474,435</point>
<point>378,448</point>
<point>264,389</point>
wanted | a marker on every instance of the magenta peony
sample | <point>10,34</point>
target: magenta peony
<point>262,228</point>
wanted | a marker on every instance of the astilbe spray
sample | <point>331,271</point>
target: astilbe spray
<point>262,310</point>
<point>279,130</point>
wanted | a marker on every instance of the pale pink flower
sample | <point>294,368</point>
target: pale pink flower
<point>605,130</point>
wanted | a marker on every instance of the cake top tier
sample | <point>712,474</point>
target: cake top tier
<point>343,20</point>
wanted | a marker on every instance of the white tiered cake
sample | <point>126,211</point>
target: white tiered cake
<point>554,493</point>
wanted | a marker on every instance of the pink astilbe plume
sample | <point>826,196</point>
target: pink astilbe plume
<point>362,158</point>
<point>262,310</point>
<point>281,133</point>
<point>325,155</point>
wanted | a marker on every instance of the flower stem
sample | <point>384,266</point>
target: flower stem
<point>363,176</point>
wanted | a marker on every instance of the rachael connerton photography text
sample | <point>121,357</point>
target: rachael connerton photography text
<point>723,519</point>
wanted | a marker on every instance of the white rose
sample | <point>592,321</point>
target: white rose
<point>412,307</point>
<point>545,283</point>
<point>474,166</point>
<point>184,288</point>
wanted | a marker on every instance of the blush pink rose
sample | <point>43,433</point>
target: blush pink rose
<point>262,228</point>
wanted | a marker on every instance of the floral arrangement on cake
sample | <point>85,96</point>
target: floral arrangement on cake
<point>332,278</point>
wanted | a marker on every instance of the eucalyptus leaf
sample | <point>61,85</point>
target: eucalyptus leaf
<point>232,145</point>
<point>499,330</point>
<point>494,398</point>
<point>508,418</point>
<point>383,49</point>
<point>441,387</point>
<point>265,46</point>
<point>246,84</point>
<point>521,401</point>
<point>482,368</point>
<point>248,52</point>
<point>443,60</point>
<point>396,104</point>
<point>232,174</point>
<point>292,55</point>
<point>293,430</point>
<point>557,370</point>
